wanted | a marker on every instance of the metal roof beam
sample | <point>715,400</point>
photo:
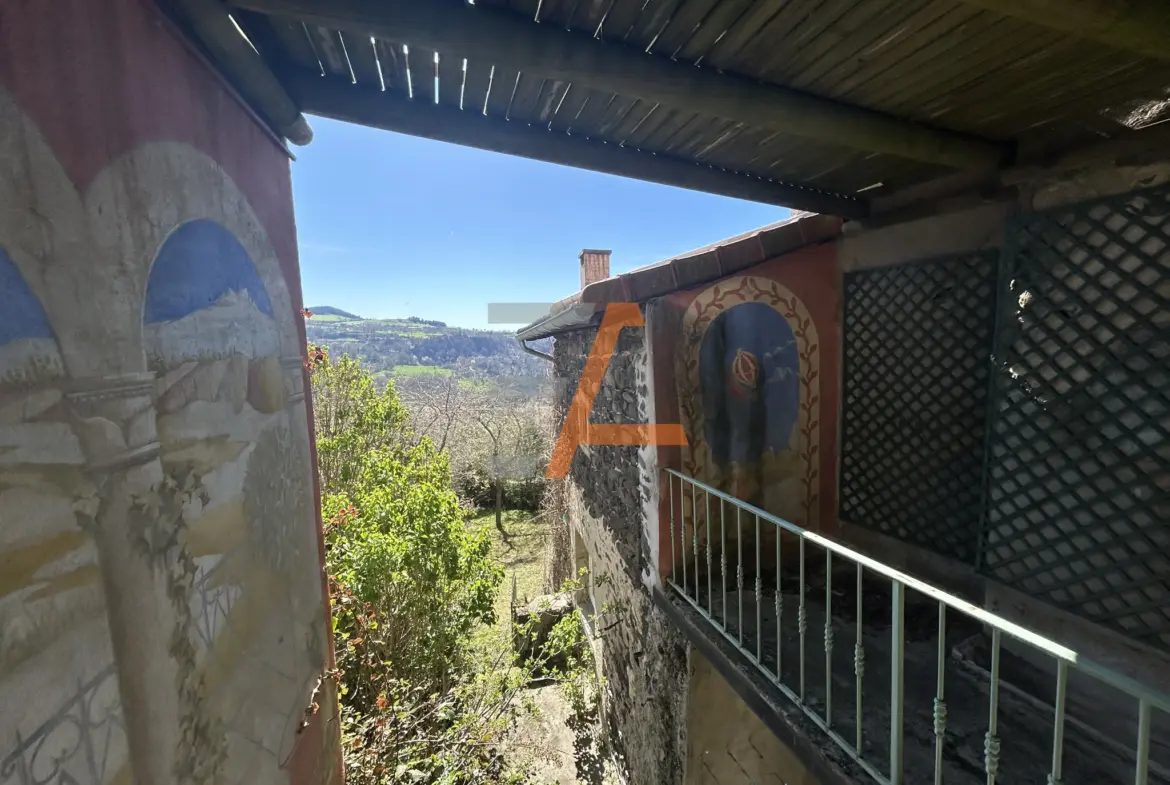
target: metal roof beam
<point>209,22</point>
<point>507,39</point>
<point>1138,26</point>
<point>338,99</point>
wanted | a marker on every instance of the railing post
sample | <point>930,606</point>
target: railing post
<point>1142,773</point>
<point>991,740</point>
<point>828,638</point>
<point>858,659</point>
<point>682,529</point>
<point>897,663</point>
<point>670,495</point>
<point>940,694</point>
<point>739,567</point>
<point>801,620</point>
<point>1054,778</point>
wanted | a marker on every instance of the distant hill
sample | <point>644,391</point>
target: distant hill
<point>414,346</point>
<point>329,310</point>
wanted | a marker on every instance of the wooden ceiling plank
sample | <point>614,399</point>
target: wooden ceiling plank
<point>392,62</point>
<point>863,43</point>
<point>1032,92</point>
<point>526,8</point>
<point>327,43</point>
<point>552,93</point>
<point>1000,81</point>
<point>640,114</point>
<point>1139,26</point>
<point>589,15</point>
<point>683,24</point>
<point>980,58</point>
<point>699,133</point>
<point>620,22</point>
<point>587,121</point>
<point>451,79</point>
<point>565,114</point>
<point>740,35</point>
<point>422,74</point>
<point>942,38</point>
<point>654,17</point>
<point>506,38</point>
<point>826,49</point>
<point>523,108</point>
<point>616,113</point>
<point>1099,93</point>
<point>502,87</point>
<point>908,42</point>
<point>657,128</point>
<point>361,59</point>
<point>352,103</point>
<point>208,22</point>
<point>719,21</point>
<point>476,86</point>
<point>763,42</point>
<point>281,42</point>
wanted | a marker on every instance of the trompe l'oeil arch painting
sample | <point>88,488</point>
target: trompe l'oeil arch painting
<point>748,365</point>
<point>155,478</point>
<point>749,372</point>
<point>226,432</point>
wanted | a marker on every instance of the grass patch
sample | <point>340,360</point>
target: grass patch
<point>525,561</point>
<point>330,317</point>
<point>419,370</point>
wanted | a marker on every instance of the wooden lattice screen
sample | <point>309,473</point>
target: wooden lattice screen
<point>1078,504</point>
<point>917,340</point>
<point>1053,479</point>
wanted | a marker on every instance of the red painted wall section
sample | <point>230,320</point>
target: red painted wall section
<point>100,83</point>
<point>749,365</point>
<point>101,78</point>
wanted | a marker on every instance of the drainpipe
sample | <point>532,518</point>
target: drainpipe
<point>534,352</point>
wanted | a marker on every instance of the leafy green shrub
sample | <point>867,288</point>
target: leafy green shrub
<point>409,583</point>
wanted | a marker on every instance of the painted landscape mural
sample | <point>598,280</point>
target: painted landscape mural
<point>157,510</point>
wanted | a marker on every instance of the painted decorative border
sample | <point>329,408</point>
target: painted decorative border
<point>700,314</point>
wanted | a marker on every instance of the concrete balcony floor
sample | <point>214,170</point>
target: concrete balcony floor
<point>1025,725</point>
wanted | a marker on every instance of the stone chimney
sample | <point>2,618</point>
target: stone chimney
<point>594,266</point>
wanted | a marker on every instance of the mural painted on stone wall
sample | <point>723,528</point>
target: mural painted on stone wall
<point>154,438</point>
<point>742,363</point>
<point>52,605</point>
<point>222,403</point>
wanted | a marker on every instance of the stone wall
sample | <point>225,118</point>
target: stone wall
<point>607,492</point>
<point>162,613</point>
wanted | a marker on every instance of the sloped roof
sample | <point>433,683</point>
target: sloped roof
<point>684,271</point>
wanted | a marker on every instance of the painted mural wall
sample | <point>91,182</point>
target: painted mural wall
<point>162,611</point>
<point>748,365</point>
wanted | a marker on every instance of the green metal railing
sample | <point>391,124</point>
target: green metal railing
<point>679,488</point>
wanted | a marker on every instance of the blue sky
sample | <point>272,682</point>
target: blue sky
<point>394,226</point>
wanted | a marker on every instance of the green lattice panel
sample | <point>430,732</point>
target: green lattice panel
<point>1079,467</point>
<point>917,341</point>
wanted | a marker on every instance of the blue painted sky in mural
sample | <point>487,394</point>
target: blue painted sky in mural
<point>21,313</point>
<point>198,264</point>
<point>748,409</point>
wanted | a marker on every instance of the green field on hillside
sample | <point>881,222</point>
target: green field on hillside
<point>419,370</point>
